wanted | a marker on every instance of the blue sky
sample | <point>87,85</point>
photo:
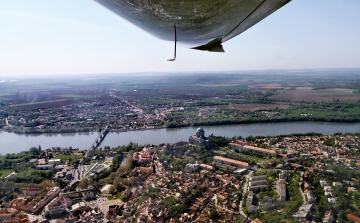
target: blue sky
<point>79,36</point>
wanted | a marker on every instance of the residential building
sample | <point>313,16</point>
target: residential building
<point>262,177</point>
<point>324,183</point>
<point>207,167</point>
<point>303,212</point>
<point>329,217</point>
<point>281,186</point>
<point>258,185</point>
<point>332,200</point>
<point>249,203</point>
<point>241,146</point>
<point>310,197</point>
<point>55,208</point>
<point>351,189</point>
<point>328,190</point>
<point>223,160</point>
<point>33,161</point>
<point>338,184</point>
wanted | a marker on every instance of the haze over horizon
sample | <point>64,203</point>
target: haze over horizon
<point>54,38</point>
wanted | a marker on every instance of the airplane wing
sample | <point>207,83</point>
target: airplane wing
<point>200,24</point>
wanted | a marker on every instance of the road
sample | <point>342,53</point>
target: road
<point>243,194</point>
<point>302,193</point>
<point>10,174</point>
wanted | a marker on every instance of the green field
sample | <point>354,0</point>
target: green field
<point>4,173</point>
<point>67,157</point>
<point>355,109</point>
<point>39,102</point>
<point>254,157</point>
<point>219,152</point>
<point>118,196</point>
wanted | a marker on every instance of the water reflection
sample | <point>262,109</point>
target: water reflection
<point>17,143</point>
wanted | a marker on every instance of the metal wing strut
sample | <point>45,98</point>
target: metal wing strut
<point>175,46</point>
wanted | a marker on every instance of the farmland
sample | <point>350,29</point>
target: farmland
<point>266,86</point>
<point>324,95</point>
<point>254,107</point>
<point>39,103</point>
<point>155,100</point>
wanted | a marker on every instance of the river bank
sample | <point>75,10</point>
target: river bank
<point>175,125</point>
<point>13,143</point>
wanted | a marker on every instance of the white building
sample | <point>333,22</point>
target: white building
<point>105,189</point>
<point>328,190</point>
<point>54,161</point>
<point>192,166</point>
<point>338,184</point>
<point>281,186</point>
<point>310,197</point>
<point>324,183</point>
<point>332,200</point>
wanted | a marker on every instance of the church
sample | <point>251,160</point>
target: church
<point>199,139</point>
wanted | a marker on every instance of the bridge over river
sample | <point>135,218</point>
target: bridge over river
<point>98,140</point>
<point>82,169</point>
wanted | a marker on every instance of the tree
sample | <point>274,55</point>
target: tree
<point>221,141</point>
<point>119,184</point>
<point>214,214</point>
<point>84,183</point>
<point>227,168</point>
<point>111,189</point>
<point>61,183</point>
<point>34,151</point>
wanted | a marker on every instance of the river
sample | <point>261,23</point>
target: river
<point>14,143</point>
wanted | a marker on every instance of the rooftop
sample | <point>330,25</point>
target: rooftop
<point>231,161</point>
<point>354,216</point>
<point>241,143</point>
<point>260,149</point>
<point>200,130</point>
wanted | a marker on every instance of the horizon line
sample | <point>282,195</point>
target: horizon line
<point>174,72</point>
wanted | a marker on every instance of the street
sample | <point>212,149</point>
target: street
<point>244,192</point>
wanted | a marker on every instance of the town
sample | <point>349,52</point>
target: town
<point>290,178</point>
<point>195,100</point>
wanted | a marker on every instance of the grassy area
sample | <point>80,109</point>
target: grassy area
<point>39,102</point>
<point>355,109</point>
<point>67,157</point>
<point>219,152</point>
<point>254,157</point>
<point>4,173</point>
<point>118,196</point>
